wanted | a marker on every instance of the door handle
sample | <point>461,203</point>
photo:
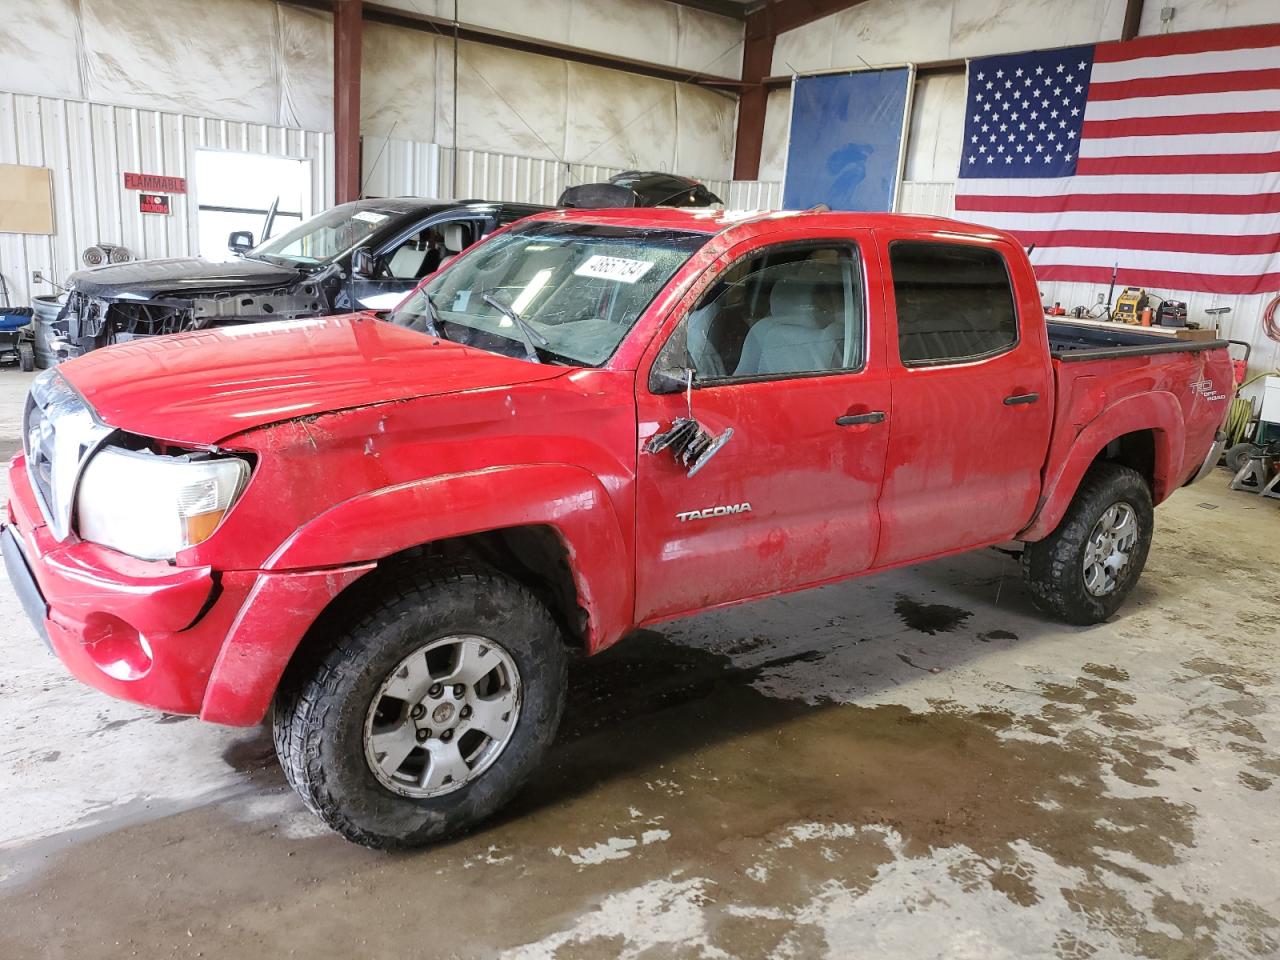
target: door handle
<point>853,419</point>
<point>1018,398</point>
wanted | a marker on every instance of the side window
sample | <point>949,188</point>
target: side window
<point>787,310</point>
<point>430,249</point>
<point>416,257</point>
<point>954,302</point>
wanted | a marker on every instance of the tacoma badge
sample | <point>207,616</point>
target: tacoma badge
<point>713,512</point>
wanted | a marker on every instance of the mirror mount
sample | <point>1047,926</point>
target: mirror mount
<point>362,264</point>
<point>670,380</point>
<point>240,242</point>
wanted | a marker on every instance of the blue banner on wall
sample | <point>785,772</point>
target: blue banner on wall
<point>846,140</point>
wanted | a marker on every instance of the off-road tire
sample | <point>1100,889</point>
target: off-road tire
<point>1053,568</point>
<point>319,713</point>
<point>26,357</point>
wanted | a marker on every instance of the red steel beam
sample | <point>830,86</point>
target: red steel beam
<point>348,26</point>
<point>761,32</point>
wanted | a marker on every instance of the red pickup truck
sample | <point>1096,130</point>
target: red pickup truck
<point>392,535</point>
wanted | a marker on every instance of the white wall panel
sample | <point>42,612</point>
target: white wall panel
<point>305,62</point>
<point>934,198</point>
<point>707,43</point>
<point>402,168</point>
<point>705,126</point>
<point>38,43</point>
<point>641,30</point>
<point>398,83</point>
<point>653,30</point>
<point>524,104</point>
<point>777,129</point>
<point>937,127</point>
<point>889,31</point>
<point>90,146</point>
<point>252,60</point>
<point>1209,14</point>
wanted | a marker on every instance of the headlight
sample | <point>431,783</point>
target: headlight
<point>151,506</point>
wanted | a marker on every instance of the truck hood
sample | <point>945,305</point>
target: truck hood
<point>204,386</point>
<point>152,278</point>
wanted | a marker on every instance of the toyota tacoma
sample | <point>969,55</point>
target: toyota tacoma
<point>390,536</point>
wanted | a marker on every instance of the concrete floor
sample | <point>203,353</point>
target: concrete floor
<point>915,765</point>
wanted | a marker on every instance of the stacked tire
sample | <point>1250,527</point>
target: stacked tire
<point>46,309</point>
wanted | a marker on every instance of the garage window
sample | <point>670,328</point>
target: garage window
<point>954,302</point>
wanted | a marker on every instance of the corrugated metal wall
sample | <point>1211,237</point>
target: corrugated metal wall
<point>90,146</point>
<point>412,168</point>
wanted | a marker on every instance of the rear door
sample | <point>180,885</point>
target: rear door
<point>971,397</point>
<point>777,335</point>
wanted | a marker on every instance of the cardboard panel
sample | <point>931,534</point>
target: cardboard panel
<point>26,199</point>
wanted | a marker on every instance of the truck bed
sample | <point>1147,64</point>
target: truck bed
<point>1071,340</point>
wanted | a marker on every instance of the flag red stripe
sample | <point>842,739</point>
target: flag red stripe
<point>1195,83</point>
<point>1194,163</point>
<point>1203,41</point>
<point>1125,202</point>
<point>1163,279</point>
<point>1192,123</point>
<point>1172,242</point>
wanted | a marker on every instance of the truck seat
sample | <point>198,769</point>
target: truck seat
<point>798,334</point>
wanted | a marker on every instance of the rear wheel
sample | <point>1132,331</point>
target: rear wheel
<point>1082,572</point>
<point>26,357</point>
<point>429,713</point>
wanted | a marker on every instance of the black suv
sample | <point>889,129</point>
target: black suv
<point>365,255</point>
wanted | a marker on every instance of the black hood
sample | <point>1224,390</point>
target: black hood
<point>156,278</point>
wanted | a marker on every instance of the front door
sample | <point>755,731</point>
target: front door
<point>972,401</point>
<point>401,263</point>
<point>779,348</point>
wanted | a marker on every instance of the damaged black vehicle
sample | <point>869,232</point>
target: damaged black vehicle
<point>365,255</point>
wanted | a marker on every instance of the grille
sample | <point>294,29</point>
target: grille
<point>59,434</point>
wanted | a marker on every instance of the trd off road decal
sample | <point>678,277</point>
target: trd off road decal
<point>1206,390</point>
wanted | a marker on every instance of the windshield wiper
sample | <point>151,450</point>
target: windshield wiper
<point>432,325</point>
<point>428,322</point>
<point>527,334</point>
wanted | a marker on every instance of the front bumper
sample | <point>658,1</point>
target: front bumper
<point>184,640</point>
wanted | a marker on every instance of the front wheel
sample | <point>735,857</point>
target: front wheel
<point>1082,572</point>
<point>26,357</point>
<point>426,716</point>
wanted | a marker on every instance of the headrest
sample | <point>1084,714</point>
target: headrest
<point>452,236</point>
<point>806,295</point>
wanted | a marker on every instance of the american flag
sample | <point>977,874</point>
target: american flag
<point>1160,154</point>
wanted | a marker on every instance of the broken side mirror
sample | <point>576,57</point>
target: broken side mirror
<point>664,380</point>
<point>240,242</point>
<point>362,264</point>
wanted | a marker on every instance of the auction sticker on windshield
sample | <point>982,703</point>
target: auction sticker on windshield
<point>614,268</point>
<point>368,216</point>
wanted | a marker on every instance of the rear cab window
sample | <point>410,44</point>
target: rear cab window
<point>954,302</point>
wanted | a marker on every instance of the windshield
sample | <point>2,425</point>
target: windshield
<point>325,236</point>
<point>579,286</point>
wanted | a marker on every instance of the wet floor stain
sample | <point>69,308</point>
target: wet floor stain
<point>682,804</point>
<point>930,618</point>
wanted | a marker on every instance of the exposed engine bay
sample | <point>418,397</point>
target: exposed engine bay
<point>89,322</point>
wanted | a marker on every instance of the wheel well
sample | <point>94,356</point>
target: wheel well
<point>1135,450</point>
<point>535,556</point>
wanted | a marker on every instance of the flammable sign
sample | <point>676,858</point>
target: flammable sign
<point>153,203</point>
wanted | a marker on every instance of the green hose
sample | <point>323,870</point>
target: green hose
<point>1241,413</point>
